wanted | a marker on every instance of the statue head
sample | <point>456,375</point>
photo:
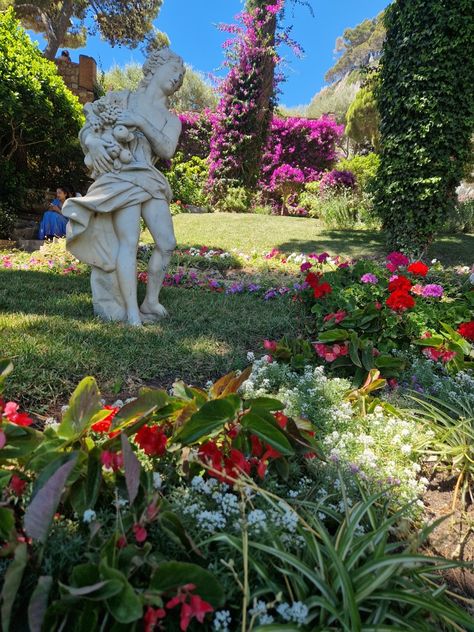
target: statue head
<point>164,69</point>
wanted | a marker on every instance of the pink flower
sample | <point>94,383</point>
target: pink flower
<point>417,289</point>
<point>369,278</point>
<point>433,290</point>
<point>306,266</point>
<point>140,533</point>
<point>11,413</point>
<point>270,345</point>
<point>396,260</point>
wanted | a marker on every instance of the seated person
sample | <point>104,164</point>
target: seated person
<point>53,223</point>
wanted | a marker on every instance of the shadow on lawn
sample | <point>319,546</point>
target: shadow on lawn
<point>350,242</point>
<point>449,249</point>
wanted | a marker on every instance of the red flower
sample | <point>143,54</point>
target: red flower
<point>17,485</point>
<point>337,316</point>
<point>321,290</point>
<point>121,542</point>
<point>418,268</point>
<point>3,439</point>
<point>11,413</point>
<point>257,446</point>
<point>399,301</point>
<point>152,616</point>
<point>152,440</point>
<point>210,454</point>
<point>312,279</point>
<point>306,266</point>
<point>236,463</point>
<point>281,419</point>
<point>401,283</point>
<point>140,533</point>
<point>111,460</point>
<point>104,424</point>
<point>195,608</point>
<point>466,330</point>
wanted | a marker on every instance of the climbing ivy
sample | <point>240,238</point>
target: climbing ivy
<point>426,102</point>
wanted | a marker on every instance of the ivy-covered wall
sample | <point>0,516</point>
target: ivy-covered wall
<point>426,102</point>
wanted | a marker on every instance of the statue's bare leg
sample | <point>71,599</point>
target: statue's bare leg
<point>127,228</point>
<point>157,217</point>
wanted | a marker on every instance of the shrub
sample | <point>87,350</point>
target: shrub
<point>235,200</point>
<point>187,180</point>
<point>39,117</point>
<point>461,219</point>
<point>195,135</point>
<point>305,144</point>
<point>426,101</point>
<point>337,181</point>
<point>364,168</point>
<point>7,220</point>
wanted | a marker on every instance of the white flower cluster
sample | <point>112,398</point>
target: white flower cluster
<point>296,613</point>
<point>379,449</point>
<point>222,621</point>
<point>311,395</point>
<point>209,254</point>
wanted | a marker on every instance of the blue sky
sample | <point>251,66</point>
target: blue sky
<point>191,27</point>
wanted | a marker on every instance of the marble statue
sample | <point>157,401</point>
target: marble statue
<point>125,133</point>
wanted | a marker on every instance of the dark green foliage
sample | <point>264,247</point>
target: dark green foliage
<point>39,118</point>
<point>426,102</point>
<point>358,47</point>
<point>65,23</point>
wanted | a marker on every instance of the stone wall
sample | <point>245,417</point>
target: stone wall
<point>80,78</point>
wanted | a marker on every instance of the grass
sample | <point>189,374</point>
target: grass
<point>46,322</point>
<point>47,328</point>
<point>263,232</point>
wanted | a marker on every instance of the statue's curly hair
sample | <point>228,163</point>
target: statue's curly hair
<point>156,59</point>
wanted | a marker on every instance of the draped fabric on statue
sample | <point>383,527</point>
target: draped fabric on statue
<point>90,232</point>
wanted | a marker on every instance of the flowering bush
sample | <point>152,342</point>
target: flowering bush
<point>337,180</point>
<point>384,311</point>
<point>305,144</point>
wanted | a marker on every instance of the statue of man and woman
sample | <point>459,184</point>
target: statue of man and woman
<point>125,133</point>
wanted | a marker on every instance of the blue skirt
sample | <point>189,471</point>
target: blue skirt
<point>52,225</point>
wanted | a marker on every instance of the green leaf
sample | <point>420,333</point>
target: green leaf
<point>268,404</point>
<point>40,511</point>
<point>173,527</point>
<point>132,469</point>
<point>83,405</point>
<point>7,522</point>
<point>21,442</point>
<point>11,584</point>
<point>354,350</point>
<point>171,575</point>
<point>39,603</point>
<point>368,356</point>
<point>269,432</point>
<point>333,335</point>
<point>209,418</point>
<point>125,606</point>
<point>98,592</point>
<point>147,402</point>
<point>85,492</point>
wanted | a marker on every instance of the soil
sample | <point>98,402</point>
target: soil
<point>453,538</point>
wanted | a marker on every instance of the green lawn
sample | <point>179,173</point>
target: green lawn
<point>46,326</point>
<point>263,232</point>
<point>46,322</point>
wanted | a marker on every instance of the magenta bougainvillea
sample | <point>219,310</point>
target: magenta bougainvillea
<point>337,180</point>
<point>244,113</point>
<point>306,144</point>
<point>196,134</point>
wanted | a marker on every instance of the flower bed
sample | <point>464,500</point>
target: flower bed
<point>169,512</point>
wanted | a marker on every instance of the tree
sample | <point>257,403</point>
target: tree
<point>195,95</point>
<point>363,119</point>
<point>358,47</point>
<point>63,22</point>
<point>426,103</point>
<point>39,117</point>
